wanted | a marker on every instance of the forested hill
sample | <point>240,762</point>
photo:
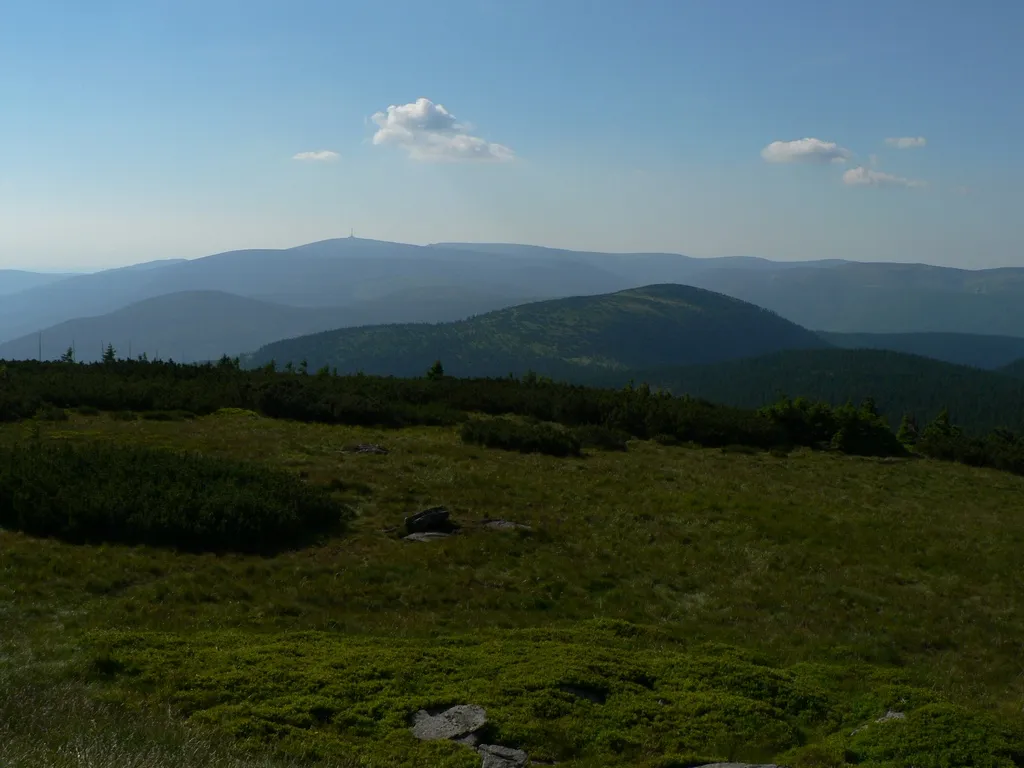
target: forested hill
<point>1016,369</point>
<point>899,383</point>
<point>645,327</point>
<point>975,349</point>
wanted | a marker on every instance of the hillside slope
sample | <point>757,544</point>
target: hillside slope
<point>15,280</point>
<point>900,383</point>
<point>203,325</point>
<point>651,326</point>
<point>1015,369</point>
<point>882,297</point>
<point>977,350</point>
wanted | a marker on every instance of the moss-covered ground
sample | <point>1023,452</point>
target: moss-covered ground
<point>671,605</point>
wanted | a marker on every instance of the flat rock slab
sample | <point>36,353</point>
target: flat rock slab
<point>426,536</point>
<point>454,723</point>
<point>502,757</point>
<point>429,520</point>
<point>366,448</point>
<point>504,525</point>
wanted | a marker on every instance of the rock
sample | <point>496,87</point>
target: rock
<point>504,525</point>
<point>891,715</point>
<point>470,740</point>
<point>426,536</point>
<point>366,448</point>
<point>433,519</point>
<point>502,757</point>
<point>456,722</point>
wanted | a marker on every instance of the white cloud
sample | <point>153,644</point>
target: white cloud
<point>805,151</point>
<point>428,131</point>
<point>907,142</point>
<point>865,177</point>
<point>873,160</point>
<point>322,156</point>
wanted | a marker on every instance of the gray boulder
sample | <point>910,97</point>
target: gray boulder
<point>455,723</point>
<point>502,757</point>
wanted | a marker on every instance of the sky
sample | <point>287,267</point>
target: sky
<point>879,131</point>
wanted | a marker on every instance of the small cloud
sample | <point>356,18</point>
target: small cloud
<point>428,131</point>
<point>907,142</point>
<point>873,161</point>
<point>323,156</point>
<point>805,151</point>
<point>865,177</point>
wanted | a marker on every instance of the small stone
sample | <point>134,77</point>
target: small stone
<point>502,757</point>
<point>454,723</point>
<point>426,536</point>
<point>504,525</point>
<point>433,519</point>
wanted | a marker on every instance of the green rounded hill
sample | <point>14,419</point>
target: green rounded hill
<point>642,327</point>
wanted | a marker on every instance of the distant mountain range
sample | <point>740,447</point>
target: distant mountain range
<point>192,326</point>
<point>960,316</point>
<point>883,298</point>
<point>16,280</point>
<point>642,327</point>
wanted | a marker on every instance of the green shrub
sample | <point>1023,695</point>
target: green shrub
<point>124,416</point>
<point>100,492</point>
<point>603,438</point>
<point>512,435</point>
<point>87,410</point>
<point>51,413</point>
<point>863,432</point>
<point>168,415</point>
<point>746,450</point>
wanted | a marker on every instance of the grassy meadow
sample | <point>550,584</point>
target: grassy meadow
<point>669,606</point>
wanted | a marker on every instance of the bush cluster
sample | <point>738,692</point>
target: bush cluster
<point>1001,449</point>
<point>514,435</point>
<point>859,431</point>
<point>140,387</point>
<point>100,492</point>
<point>602,437</point>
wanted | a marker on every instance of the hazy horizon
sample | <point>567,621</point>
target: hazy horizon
<point>885,131</point>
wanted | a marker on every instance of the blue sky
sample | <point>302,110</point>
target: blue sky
<point>141,129</point>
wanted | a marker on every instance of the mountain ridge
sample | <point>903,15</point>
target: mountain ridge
<point>652,325</point>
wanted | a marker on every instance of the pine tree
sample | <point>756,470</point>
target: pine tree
<point>908,432</point>
<point>109,354</point>
<point>69,356</point>
<point>436,371</point>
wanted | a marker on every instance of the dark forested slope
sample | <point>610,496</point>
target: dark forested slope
<point>980,351</point>
<point>899,383</point>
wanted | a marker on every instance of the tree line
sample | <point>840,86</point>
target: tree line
<point>29,387</point>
